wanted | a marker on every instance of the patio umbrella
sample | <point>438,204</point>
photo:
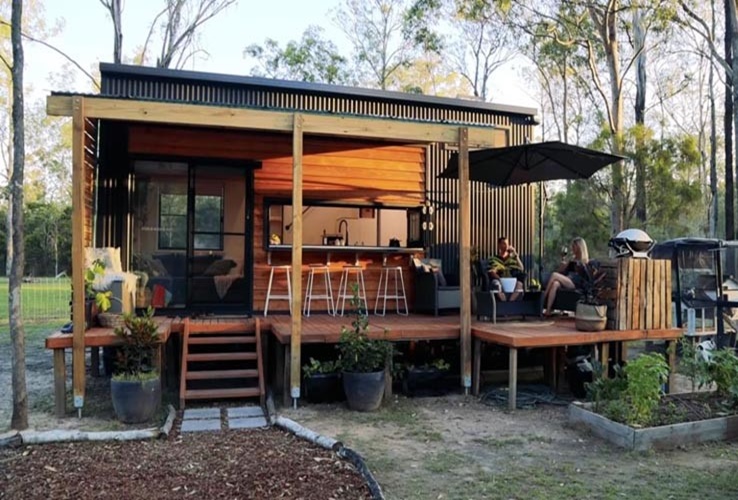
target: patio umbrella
<point>532,162</point>
<point>535,162</point>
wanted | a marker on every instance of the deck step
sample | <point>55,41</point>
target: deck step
<point>223,356</point>
<point>235,339</point>
<point>248,392</point>
<point>221,374</point>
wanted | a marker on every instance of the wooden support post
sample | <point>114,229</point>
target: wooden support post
<point>465,258</point>
<point>554,367</point>
<point>388,378</point>
<point>512,396</point>
<point>78,251</point>
<point>286,365</point>
<point>477,368</point>
<point>296,333</point>
<point>605,352</point>
<point>671,358</point>
<point>60,383</point>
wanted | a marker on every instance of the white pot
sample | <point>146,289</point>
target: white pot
<point>508,284</point>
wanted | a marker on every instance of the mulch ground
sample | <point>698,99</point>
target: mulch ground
<point>260,464</point>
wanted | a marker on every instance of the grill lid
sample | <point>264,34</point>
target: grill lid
<point>632,243</point>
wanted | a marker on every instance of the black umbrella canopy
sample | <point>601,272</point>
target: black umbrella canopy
<point>543,161</point>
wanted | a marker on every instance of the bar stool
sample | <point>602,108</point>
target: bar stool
<point>310,294</point>
<point>344,292</point>
<point>396,273</point>
<point>271,296</point>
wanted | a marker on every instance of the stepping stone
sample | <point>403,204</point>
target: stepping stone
<point>201,413</point>
<point>245,411</point>
<point>196,425</point>
<point>247,423</point>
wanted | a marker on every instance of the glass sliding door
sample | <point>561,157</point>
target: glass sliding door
<point>219,277</point>
<point>191,235</point>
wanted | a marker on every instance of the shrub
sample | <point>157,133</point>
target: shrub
<point>140,341</point>
<point>359,353</point>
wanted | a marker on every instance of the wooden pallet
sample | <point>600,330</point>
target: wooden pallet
<point>638,294</point>
<point>221,360</point>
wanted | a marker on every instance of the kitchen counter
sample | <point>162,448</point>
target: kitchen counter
<point>331,249</point>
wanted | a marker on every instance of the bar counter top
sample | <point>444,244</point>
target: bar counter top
<point>347,248</point>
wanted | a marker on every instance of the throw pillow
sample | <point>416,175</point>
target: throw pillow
<point>219,267</point>
<point>237,270</point>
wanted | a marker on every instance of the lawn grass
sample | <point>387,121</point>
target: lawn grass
<point>44,301</point>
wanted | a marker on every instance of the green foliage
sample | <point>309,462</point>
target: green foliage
<point>645,376</point>
<point>315,367</point>
<point>102,297</point>
<point>723,370</point>
<point>312,59</point>
<point>140,342</point>
<point>504,267</point>
<point>359,353</point>
<point>633,395</point>
<point>135,377</point>
<point>592,283</point>
<point>693,364</point>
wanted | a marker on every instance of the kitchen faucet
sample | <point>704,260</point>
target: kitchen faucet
<point>346,236</point>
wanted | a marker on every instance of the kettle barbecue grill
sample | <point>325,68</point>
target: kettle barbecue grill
<point>632,243</point>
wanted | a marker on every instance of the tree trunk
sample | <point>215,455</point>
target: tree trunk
<point>714,203</point>
<point>612,52</point>
<point>115,12</point>
<point>19,419</point>
<point>729,119</point>
<point>639,39</point>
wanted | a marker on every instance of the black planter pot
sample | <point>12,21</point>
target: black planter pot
<point>323,388</point>
<point>364,391</point>
<point>422,381</point>
<point>135,402</point>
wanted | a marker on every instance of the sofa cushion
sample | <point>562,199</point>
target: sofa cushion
<point>219,268</point>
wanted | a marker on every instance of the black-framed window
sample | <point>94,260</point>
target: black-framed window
<point>173,222</point>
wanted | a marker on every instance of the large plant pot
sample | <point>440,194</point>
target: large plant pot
<point>590,318</point>
<point>323,388</point>
<point>508,284</point>
<point>364,391</point>
<point>418,381</point>
<point>134,401</point>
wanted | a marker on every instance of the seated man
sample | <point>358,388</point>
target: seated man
<point>506,263</point>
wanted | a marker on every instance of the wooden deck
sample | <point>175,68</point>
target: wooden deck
<point>318,329</point>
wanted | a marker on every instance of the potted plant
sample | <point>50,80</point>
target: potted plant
<point>363,361</point>
<point>94,300</point>
<point>423,377</point>
<point>504,269</point>
<point>322,381</point>
<point>591,313</point>
<point>135,385</point>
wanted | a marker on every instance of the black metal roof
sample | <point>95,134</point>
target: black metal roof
<point>297,87</point>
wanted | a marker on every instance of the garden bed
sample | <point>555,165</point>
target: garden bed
<point>680,419</point>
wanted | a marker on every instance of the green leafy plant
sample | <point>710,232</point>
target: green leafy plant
<point>504,267</point>
<point>139,335</point>
<point>359,353</point>
<point>602,391</point>
<point>645,376</point>
<point>591,283</point>
<point>315,367</point>
<point>723,370</point>
<point>692,364</point>
<point>102,298</point>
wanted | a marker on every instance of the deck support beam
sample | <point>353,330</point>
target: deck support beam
<point>465,258</point>
<point>79,216</point>
<point>296,304</point>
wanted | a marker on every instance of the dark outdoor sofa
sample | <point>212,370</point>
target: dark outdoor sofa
<point>433,293</point>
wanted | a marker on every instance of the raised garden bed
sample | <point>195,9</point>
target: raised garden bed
<point>681,419</point>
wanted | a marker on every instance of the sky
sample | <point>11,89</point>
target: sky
<point>87,37</point>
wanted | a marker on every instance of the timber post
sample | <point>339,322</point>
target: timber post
<point>296,304</point>
<point>465,259</point>
<point>78,252</point>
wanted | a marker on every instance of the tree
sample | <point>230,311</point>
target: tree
<point>178,24</point>
<point>385,37</point>
<point>19,418</point>
<point>312,59</point>
<point>115,9</point>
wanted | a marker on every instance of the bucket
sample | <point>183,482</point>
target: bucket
<point>508,284</point>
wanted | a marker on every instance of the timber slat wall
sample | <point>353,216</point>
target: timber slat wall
<point>638,294</point>
<point>90,167</point>
<point>334,169</point>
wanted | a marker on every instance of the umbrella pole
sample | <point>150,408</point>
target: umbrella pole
<point>540,232</point>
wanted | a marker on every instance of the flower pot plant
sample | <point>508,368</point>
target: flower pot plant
<point>591,312</point>
<point>507,270</point>
<point>94,300</point>
<point>424,378</point>
<point>135,385</point>
<point>362,361</point>
<point>322,381</point>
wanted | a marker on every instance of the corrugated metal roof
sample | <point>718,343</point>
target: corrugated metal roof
<point>317,89</point>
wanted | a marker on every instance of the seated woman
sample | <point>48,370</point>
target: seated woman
<point>506,262</point>
<point>568,276</point>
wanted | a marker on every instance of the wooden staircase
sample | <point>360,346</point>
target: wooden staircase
<point>221,360</point>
